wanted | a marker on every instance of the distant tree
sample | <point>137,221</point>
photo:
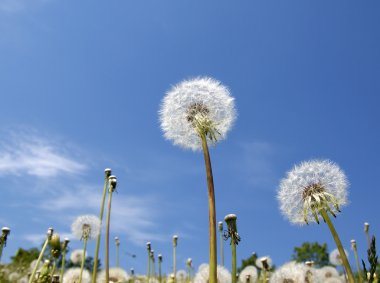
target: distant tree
<point>312,252</point>
<point>88,264</point>
<point>23,258</point>
<point>249,261</point>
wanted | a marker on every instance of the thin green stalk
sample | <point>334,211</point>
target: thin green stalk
<point>53,268</point>
<point>117,256</point>
<point>221,246</point>
<point>94,272</point>
<point>31,279</point>
<point>63,265</point>
<point>338,244</point>
<point>148,271</point>
<point>1,248</point>
<point>211,206</point>
<point>83,259</point>
<point>174,262</point>
<point>107,264</point>
<point>358,264</point>
<point>233,272</point>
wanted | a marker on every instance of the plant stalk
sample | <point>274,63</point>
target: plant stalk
<point>339,245</point>
<point>63,265</point>
<point>31,279</point>
<point>83,259</point>
<point>107,264</point>
<point>212,216</point>
<point>95,270</point>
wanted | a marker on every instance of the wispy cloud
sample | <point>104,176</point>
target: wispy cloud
<point>27,153</point>
<point>14,6</point>
<point>133,216</point>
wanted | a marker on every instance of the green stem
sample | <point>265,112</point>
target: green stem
<point>339,245</point>
<point>83,259</point>
<point>368,239</point>
<point>53,268</point>
<point>174,264</point>
<point>159,271</point>
<point>358,265</point>
<point>148,271</point>
<point>107,264</point>
<point>211,207</point>
<point>117,256</point>
<point>1,247</point>
<point>94,272</point>
<point>233,272</point>
<point>221,248</point>
<point>31,279</point>
<point>62,266</point>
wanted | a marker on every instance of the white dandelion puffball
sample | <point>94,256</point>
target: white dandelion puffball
<point>181,275</point>
<point>76,256</point>
<point>23,280</point>
<point>250,271</point>
<point>335,258</point>
<point>222,274</point>
<point>290,272</point>
<point>313,184</point>
<point>334,280</point>
<point>327,272</point>
<point>72,275</point>
<point>116,274</point>
<point>264,259</point>
<point>189,100</point>
<point>86,226</point>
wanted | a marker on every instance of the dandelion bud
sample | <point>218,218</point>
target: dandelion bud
<point>112,182</point>
<point>55,242</point>
<point>175,239</point>
<point>107,172</point>
<point>309,263</point>
<point>220,226</point>
<point>117,241</point>
<point>353,244</point>
<point>366,227</point>
<point>148,246</point>
<point>65,243</point>
<point>159,257</point>
<point>232,228</point>
<point>5,231</point>
<point>3,237</point>
<point>50,232</point>
<point>189,262</point>
<point>132,271</point>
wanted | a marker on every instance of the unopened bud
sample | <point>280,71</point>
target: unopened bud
<point>220,226</point>
<point>107,172</point>
<point>175,240</point>
<point>112,182</point>
<point>353,245</point>
<point>366,227</point>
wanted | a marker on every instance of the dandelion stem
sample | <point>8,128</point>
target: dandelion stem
<point>1,248</point>
<point>107,265</point>
<point>174,263</point>
<point>31,279</point>
<point>233,270</point>
<point>94,272</point>
<point>338,244</point>
<point>62,265</point>
<point>211,207</point>
<point>83,258</point>
<point>221,243</point>
<point>358,264</point>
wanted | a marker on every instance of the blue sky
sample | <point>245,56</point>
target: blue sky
<point>81,83</point>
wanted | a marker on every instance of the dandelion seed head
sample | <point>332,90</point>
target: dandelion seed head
<point>200,104</point>
<point>86,227</point>
<point>327,272</point>
<point>264,262</point>
<point>289,273</point>
<point>310,186</point>
<point>335,258</point>
<point>202,276</point>
<point>116,274</point>
<point>76,256</point>
<point>250,271</point>
<point>72,275</point>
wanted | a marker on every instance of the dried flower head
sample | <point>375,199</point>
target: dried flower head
<point>76,256</point>
<point>327,272</point>
<point>116,274</point>
<point>334,257</point>
<point>197,106</point>
<point>310,187</point>
<point>289,273</point>
<point>72,275</point>
<point>202,276</point>
<point>86,227</point>
<point>248,274</point>
<point>264,262</point>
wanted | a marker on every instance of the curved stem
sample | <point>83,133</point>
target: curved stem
<point>107,264</point>
<point>339,245</point>
<point>31,279</point>
<point>211,207</point>
<point>94,272</point>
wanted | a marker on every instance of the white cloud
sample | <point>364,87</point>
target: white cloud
<point>30,154</point>
<point>133,216</point>
<point>14,6</point>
